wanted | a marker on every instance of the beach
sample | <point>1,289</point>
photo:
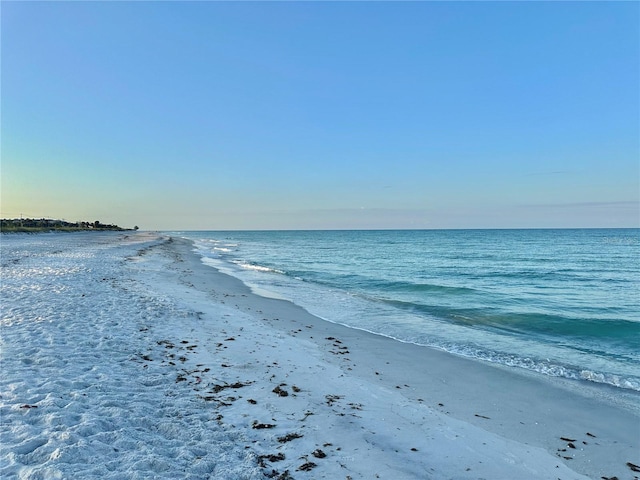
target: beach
<point>150,364</point>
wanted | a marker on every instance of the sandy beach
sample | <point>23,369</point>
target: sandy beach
<point>289,395</point>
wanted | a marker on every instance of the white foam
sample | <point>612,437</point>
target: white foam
<point>257,268</point>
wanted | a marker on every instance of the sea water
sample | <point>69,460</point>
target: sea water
<point>560,302</point>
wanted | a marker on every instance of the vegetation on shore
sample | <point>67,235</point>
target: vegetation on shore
<point>33,225</point>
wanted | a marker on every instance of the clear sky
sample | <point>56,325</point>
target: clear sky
<point>220,115</point>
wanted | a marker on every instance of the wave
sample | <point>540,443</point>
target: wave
<point>520,322</point>
<point>400,286</point>
<point>541,366</point>
<point>552,369</point>
<point>257,268</point>
<point>611,379</point>
<point>362,283</point>
<point>561,326</point>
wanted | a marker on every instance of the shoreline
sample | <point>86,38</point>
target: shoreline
<point>125,356</point>
<point>516,406</point>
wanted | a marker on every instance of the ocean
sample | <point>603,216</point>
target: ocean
<point>563,303</point>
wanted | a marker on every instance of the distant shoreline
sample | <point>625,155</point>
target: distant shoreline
<point>62,229</point>
<point>46,225</point>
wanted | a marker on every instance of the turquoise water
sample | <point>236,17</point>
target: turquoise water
<point>560,302</point>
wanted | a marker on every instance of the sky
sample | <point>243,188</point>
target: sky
<point>321,115</point>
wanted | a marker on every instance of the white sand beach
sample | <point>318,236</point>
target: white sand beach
<point>174,370</point>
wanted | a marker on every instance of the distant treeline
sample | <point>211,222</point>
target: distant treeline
<point>48,224</point>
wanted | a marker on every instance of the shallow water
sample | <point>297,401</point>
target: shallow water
<point>560,302</point>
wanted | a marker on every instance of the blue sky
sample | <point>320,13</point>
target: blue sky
<point>279,115</point>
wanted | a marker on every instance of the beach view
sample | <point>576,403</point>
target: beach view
<point>336,240</point>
